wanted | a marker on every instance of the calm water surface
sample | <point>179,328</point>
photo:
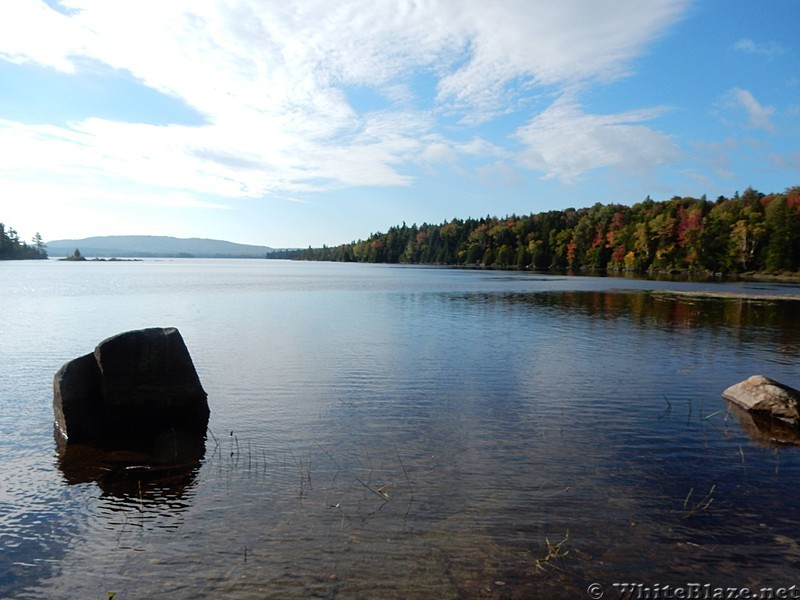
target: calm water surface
<point>391,432</point>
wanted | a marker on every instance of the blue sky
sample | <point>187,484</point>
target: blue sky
<point>313,122</point>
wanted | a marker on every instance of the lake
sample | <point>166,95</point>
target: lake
<point>403,432</point>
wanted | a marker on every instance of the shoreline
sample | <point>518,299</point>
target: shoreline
<point>726,295</point>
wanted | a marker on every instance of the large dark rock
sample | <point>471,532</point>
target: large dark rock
<point>78,399</point>
<point>765,397</point>
<point>135,385</point>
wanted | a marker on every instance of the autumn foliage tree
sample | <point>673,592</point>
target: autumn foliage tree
<point>751,232</point>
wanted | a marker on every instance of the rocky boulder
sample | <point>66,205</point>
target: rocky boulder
<point>135,385</point>
<point>767,398</point>
<point>78,399</point>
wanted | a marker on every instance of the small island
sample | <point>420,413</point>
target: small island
<point>75,256</point>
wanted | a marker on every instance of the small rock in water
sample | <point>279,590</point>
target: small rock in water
<point>759,394</point>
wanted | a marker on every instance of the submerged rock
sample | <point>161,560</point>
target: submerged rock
<point>157,469</point>
<point>765,397</point>
<point>766,430</point>
<point>134,386</point>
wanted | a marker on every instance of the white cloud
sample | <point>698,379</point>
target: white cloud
<point>499,172</point>
<point>718,156</point>
<point>93,191</point>
<point>272,79</point>
<point>768,49</point>
<point>32,32</point>
<point>36,204</point>
<point>789,160</point>
<point>552,44</point>
<point>564,142</point>
<point>439,152</point>
<point>759,116</point>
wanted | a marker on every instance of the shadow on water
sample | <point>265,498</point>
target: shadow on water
<point>160,468</point>
<point>142,487</point>
<point>765,430</point>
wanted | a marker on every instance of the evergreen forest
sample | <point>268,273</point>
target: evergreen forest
<point>12,248</point>
<point>751,232</point>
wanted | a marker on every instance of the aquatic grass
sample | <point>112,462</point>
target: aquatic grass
<point>234,439</point>
<point>333,460</point>
<point>691,410</point>
<point>386,490</point>
<point>304,469</point>
<point>668,410</point>
<point>369,462</point>
<point>694,509</point>
<point>711,415</point>
<point>383,490</point>
<point>554,553</point>
<point>408,481</point>
<point>345,516</point>
<point>744,467</point>
<point>216,441</point>
<point>379,492</point>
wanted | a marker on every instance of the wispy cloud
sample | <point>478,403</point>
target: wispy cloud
<point>768,49</point>
<point>561,44</point>
<point>272,79</point>
<point>499,172</point>
<point>101,192</point>
<point>717,156</point>
<point>31,31</point>
<point>790,160</point>
<point>758,115</point>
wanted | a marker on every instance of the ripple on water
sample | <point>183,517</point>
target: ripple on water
<point>409,436</point>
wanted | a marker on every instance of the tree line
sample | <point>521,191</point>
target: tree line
<point>751,232</point>
<point>12,248</point>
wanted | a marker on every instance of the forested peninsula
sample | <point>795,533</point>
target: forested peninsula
<point>12,248</point>
<point>747,233</point>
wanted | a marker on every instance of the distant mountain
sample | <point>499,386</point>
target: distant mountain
<point>154,246</point>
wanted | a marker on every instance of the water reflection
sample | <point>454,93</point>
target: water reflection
<point>671,310</point>
<point>160,469</point>
<point>748,320</point>
<point>428,438</point>
<point>764,430</point>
